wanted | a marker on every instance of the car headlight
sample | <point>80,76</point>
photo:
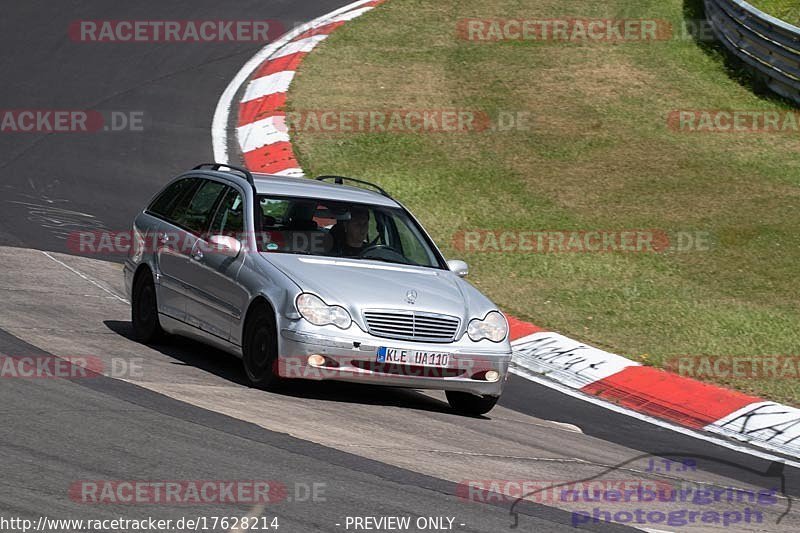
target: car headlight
<point>313,309</point>
<point>493,327</point>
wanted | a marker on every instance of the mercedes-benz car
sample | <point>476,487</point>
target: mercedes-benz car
<point>313,279</point>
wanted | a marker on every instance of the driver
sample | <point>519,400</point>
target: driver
<point>355,232</point>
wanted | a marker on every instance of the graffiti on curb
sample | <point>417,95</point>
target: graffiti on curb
<point>565,360</point>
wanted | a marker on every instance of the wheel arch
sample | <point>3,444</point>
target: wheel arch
<point>260,302</point>
<point>140,271</point>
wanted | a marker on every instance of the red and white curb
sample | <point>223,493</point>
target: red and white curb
<point>261,132</point>
<point>663,395</point>
<point>593,375</point>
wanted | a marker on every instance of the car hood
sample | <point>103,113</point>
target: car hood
<point>362,284</point>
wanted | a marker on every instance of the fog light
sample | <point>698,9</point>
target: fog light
<point>316,360</point>
<point>492,375</point>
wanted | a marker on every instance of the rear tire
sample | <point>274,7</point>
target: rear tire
<point>471,404</point>
<point>144,310</point>
<point>260,350</point>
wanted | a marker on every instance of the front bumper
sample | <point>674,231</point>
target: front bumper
<point>351,355</point>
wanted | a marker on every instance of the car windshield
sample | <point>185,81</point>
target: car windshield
<point>329,228</point>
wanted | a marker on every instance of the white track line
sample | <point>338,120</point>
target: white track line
<point>219,124</point>
<point>87,278</point>
<point>350,15</point>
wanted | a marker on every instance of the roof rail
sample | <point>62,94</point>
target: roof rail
<point>339,180</point>
<point>246,174</point>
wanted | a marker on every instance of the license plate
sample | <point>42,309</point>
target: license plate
<point>396,356</point>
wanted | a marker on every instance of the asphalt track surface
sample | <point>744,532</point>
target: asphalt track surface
<point>109,429</point>
<point>377,452</point>
<point>57,179</point>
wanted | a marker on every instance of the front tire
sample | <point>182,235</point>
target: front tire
<point>260,350</point>
<point>471,404</point>
<point>144,310</point>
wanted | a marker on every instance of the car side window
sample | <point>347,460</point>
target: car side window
<point>410,242</point>
<point>196,216</point>
<point>229,218</point>
<point>274,211</point>
<point>170,198</point>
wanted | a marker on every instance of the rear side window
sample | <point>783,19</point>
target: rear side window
<point>196,216</point>
<point>274,210</point>
<point>177,193</point>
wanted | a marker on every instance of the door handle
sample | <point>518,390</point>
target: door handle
<point>197,255</point>
<point>165,238</point>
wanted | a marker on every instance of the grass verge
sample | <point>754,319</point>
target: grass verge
<point>599,156</point>
<point>787,10</point>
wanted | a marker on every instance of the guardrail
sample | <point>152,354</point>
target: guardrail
<point>769,46</point>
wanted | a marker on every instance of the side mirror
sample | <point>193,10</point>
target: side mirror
<point>225,245</point>
<point>459,268</point>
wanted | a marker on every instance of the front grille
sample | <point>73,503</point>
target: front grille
<point>412,325</point>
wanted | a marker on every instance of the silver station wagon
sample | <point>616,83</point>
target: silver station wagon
<point>313,279</point>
